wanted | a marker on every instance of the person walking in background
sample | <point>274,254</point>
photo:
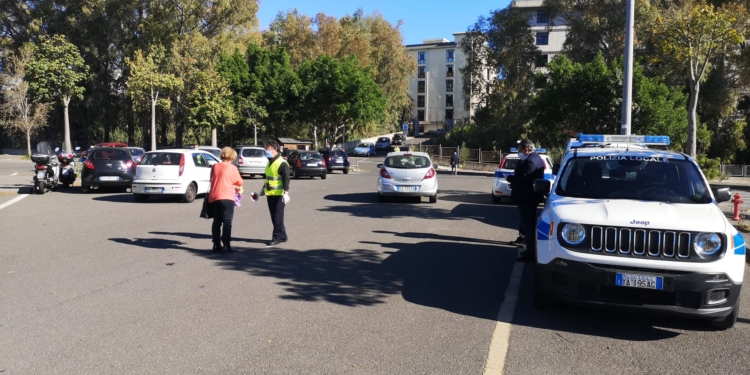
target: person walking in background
<point>454,163</point>
<point>529,169</point>
<point>276,189</point>
<point>225,183</point>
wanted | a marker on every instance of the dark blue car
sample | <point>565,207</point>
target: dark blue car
<point>336,159</point>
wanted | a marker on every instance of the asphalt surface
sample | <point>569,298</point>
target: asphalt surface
<point>99,284</point>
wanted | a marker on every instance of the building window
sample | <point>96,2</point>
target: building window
<point>449,114</point>
<point>420,72</point>
<point>421,57</point>
<point>420,87</point>
<point>542,17</point>
<point>542,39</point>
<point>420,101</point>
<point>449,100</point>
<point>420,114</point>
<point>449,55</point>
<point>541,61</point>
<point>449,70</point>
<point>449,85</point>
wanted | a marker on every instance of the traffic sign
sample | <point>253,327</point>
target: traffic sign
<point>405,126</point>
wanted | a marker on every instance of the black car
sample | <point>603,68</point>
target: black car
<point>336,159</point>
<point>398,139</point>
<point>307,163</point>
<point>107,167</point>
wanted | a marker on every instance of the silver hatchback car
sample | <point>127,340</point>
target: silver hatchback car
<point>251,160</point>
<point>407,174</point>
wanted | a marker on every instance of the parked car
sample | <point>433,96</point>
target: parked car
<point>408,174</point>
<point>251,160</point>
<point>285,153</point>
<point>364,149</point>
<point>383,143</point>
<point>107,167</point>
<point>398,139</point>
<point>440,132</point>
<point>307,163</point>
<point>215,151</point>
<point>501,186</point>
<point>136,153</point>
<point>182,172</point>
<point>336,159</point>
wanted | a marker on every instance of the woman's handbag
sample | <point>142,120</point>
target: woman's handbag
<point>206,210</point>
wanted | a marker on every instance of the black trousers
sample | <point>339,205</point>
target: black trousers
<point>527,216</point>
<point>223,214</point>
<point>276,207</point>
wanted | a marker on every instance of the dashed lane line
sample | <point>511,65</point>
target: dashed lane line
<point>501,336</point>
<point>14,200</point>
<point>14,174</point>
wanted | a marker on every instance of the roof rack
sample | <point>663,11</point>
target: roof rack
<point>616,141</point>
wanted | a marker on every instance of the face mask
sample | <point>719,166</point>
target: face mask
<point>268,154</point>
<point>522,156</point>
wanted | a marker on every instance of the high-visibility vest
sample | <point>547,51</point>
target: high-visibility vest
<point>273,187</point>
<point>396,149</point>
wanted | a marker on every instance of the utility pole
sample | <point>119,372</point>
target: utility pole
<point>627,80</point>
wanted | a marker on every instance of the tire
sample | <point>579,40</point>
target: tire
<point>323,176</point>
<point>65,185</point>
<point>190,193</point>
<point>329,170</point>
<point>252,176</point>
<point>542,299</point>
<point>496,200</point>
<point>40,187</point>
<point>140,198</point>
<point>346,171</point>
<point>433,199</point>
<point>728,321</point>
<point>85,189</point>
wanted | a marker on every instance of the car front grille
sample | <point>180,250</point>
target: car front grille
<point>641,242</point>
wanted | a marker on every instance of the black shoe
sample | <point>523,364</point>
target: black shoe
<point>217,248</point>
<point>273,243</point>
<point>526,256</point>
<point>284,240</point>
<point>229,249</point>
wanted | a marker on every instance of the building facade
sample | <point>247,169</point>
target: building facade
<point>549,39</point>
<point>436,85</point>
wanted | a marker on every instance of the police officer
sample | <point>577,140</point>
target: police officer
<point>276,189</point>
<point>529,169</point>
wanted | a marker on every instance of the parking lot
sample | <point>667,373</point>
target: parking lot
<point>96,283</point>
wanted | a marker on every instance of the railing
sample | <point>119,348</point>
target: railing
<point>734,170</point>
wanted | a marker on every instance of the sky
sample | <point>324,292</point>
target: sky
<point>423,19</point>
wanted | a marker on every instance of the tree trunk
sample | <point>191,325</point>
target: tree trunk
<point>28,142</point>
<point>692,123</point>
<point>153,125</point>
<point>213,136</point>
<point>66,101</point>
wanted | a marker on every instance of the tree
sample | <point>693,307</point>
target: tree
<point>55,71</point>
<point>210,103</point>
<point>693,33</point>
<point>148,80</point>
<point>338,94</point>
<point>22,112</point>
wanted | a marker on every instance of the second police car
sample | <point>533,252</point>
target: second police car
<point>501,186</point>
<point>639,228</point>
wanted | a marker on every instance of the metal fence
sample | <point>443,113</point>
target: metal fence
<point>735,170</point>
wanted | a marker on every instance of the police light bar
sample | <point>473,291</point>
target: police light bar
<point>513,149</point>
<point>538,151</point>
<point>653,140</point>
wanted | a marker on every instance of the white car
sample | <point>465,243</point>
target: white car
<point>182,172</point>
<point>407,174</point>
<point>632,227</point>
<point>501,186</point>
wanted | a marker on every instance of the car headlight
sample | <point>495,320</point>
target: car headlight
<point>707,243</point>
<point>573,234</point>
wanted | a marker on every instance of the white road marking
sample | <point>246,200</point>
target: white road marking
<point>501,336</point>
<point>14,200</point>
<point>14,174</point>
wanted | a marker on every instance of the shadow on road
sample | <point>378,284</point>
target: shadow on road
<point>20,188</point>
<point>205,236</point>
<point>128,198</point>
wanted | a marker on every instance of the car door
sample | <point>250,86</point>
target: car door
<point>202,171</point>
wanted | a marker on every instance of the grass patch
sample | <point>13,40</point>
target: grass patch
<point>25,157</point>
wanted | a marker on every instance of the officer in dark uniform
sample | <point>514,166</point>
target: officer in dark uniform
<point>276,189</point>
<point>529,169</point>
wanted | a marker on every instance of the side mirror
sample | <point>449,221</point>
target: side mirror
<point>435,166</point>
<point>555,169</point>
<point>722,194</point>
<point>542,186</point>
<point>380,165</point>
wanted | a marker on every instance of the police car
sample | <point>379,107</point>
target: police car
<point>501,186</point>
<point>631,226</point>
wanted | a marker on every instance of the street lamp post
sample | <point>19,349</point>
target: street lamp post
<point>627,80</point>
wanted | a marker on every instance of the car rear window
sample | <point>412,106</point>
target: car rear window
<point>407,161</point>
<point>161,158</point>
<point>253,153</point>
<point>310,156</point>
<point>511,163</point>
<point>110,155</point>
<point>383,140</point>
<point>136,151</point>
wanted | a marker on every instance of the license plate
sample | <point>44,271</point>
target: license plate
<point>109,178</point>
<point>39,174</point>
<point>153,190</point>
<point>339,160</point>
<point>639,281</point>
<point>407,188</point>
<point>313,164</point>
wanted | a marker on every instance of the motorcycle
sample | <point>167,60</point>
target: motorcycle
<point>48,170</point>
<point>67,168</point>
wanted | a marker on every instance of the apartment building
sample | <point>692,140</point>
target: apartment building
<point>549,39</point>
<point>436,85</point>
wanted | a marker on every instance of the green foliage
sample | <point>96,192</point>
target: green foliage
<point>149,81</point>
<point>211,103</point>
<point>711,167</point>
<point>56,70</point>
<point>465,153</point>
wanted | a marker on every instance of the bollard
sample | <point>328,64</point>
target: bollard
<point>736,202</point>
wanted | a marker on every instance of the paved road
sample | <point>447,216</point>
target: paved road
<point>98,284</point>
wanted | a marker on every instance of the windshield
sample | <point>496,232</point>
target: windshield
<point>253,153</point>
<point>407,162</point>
<point>214,151</point>
<point>384,140</point>
<point>136,151</point>
<point>161,158</point>
<point>633,177</point>
<point>109,154</point>
<point>511,163</point>
<point>363,145</point>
